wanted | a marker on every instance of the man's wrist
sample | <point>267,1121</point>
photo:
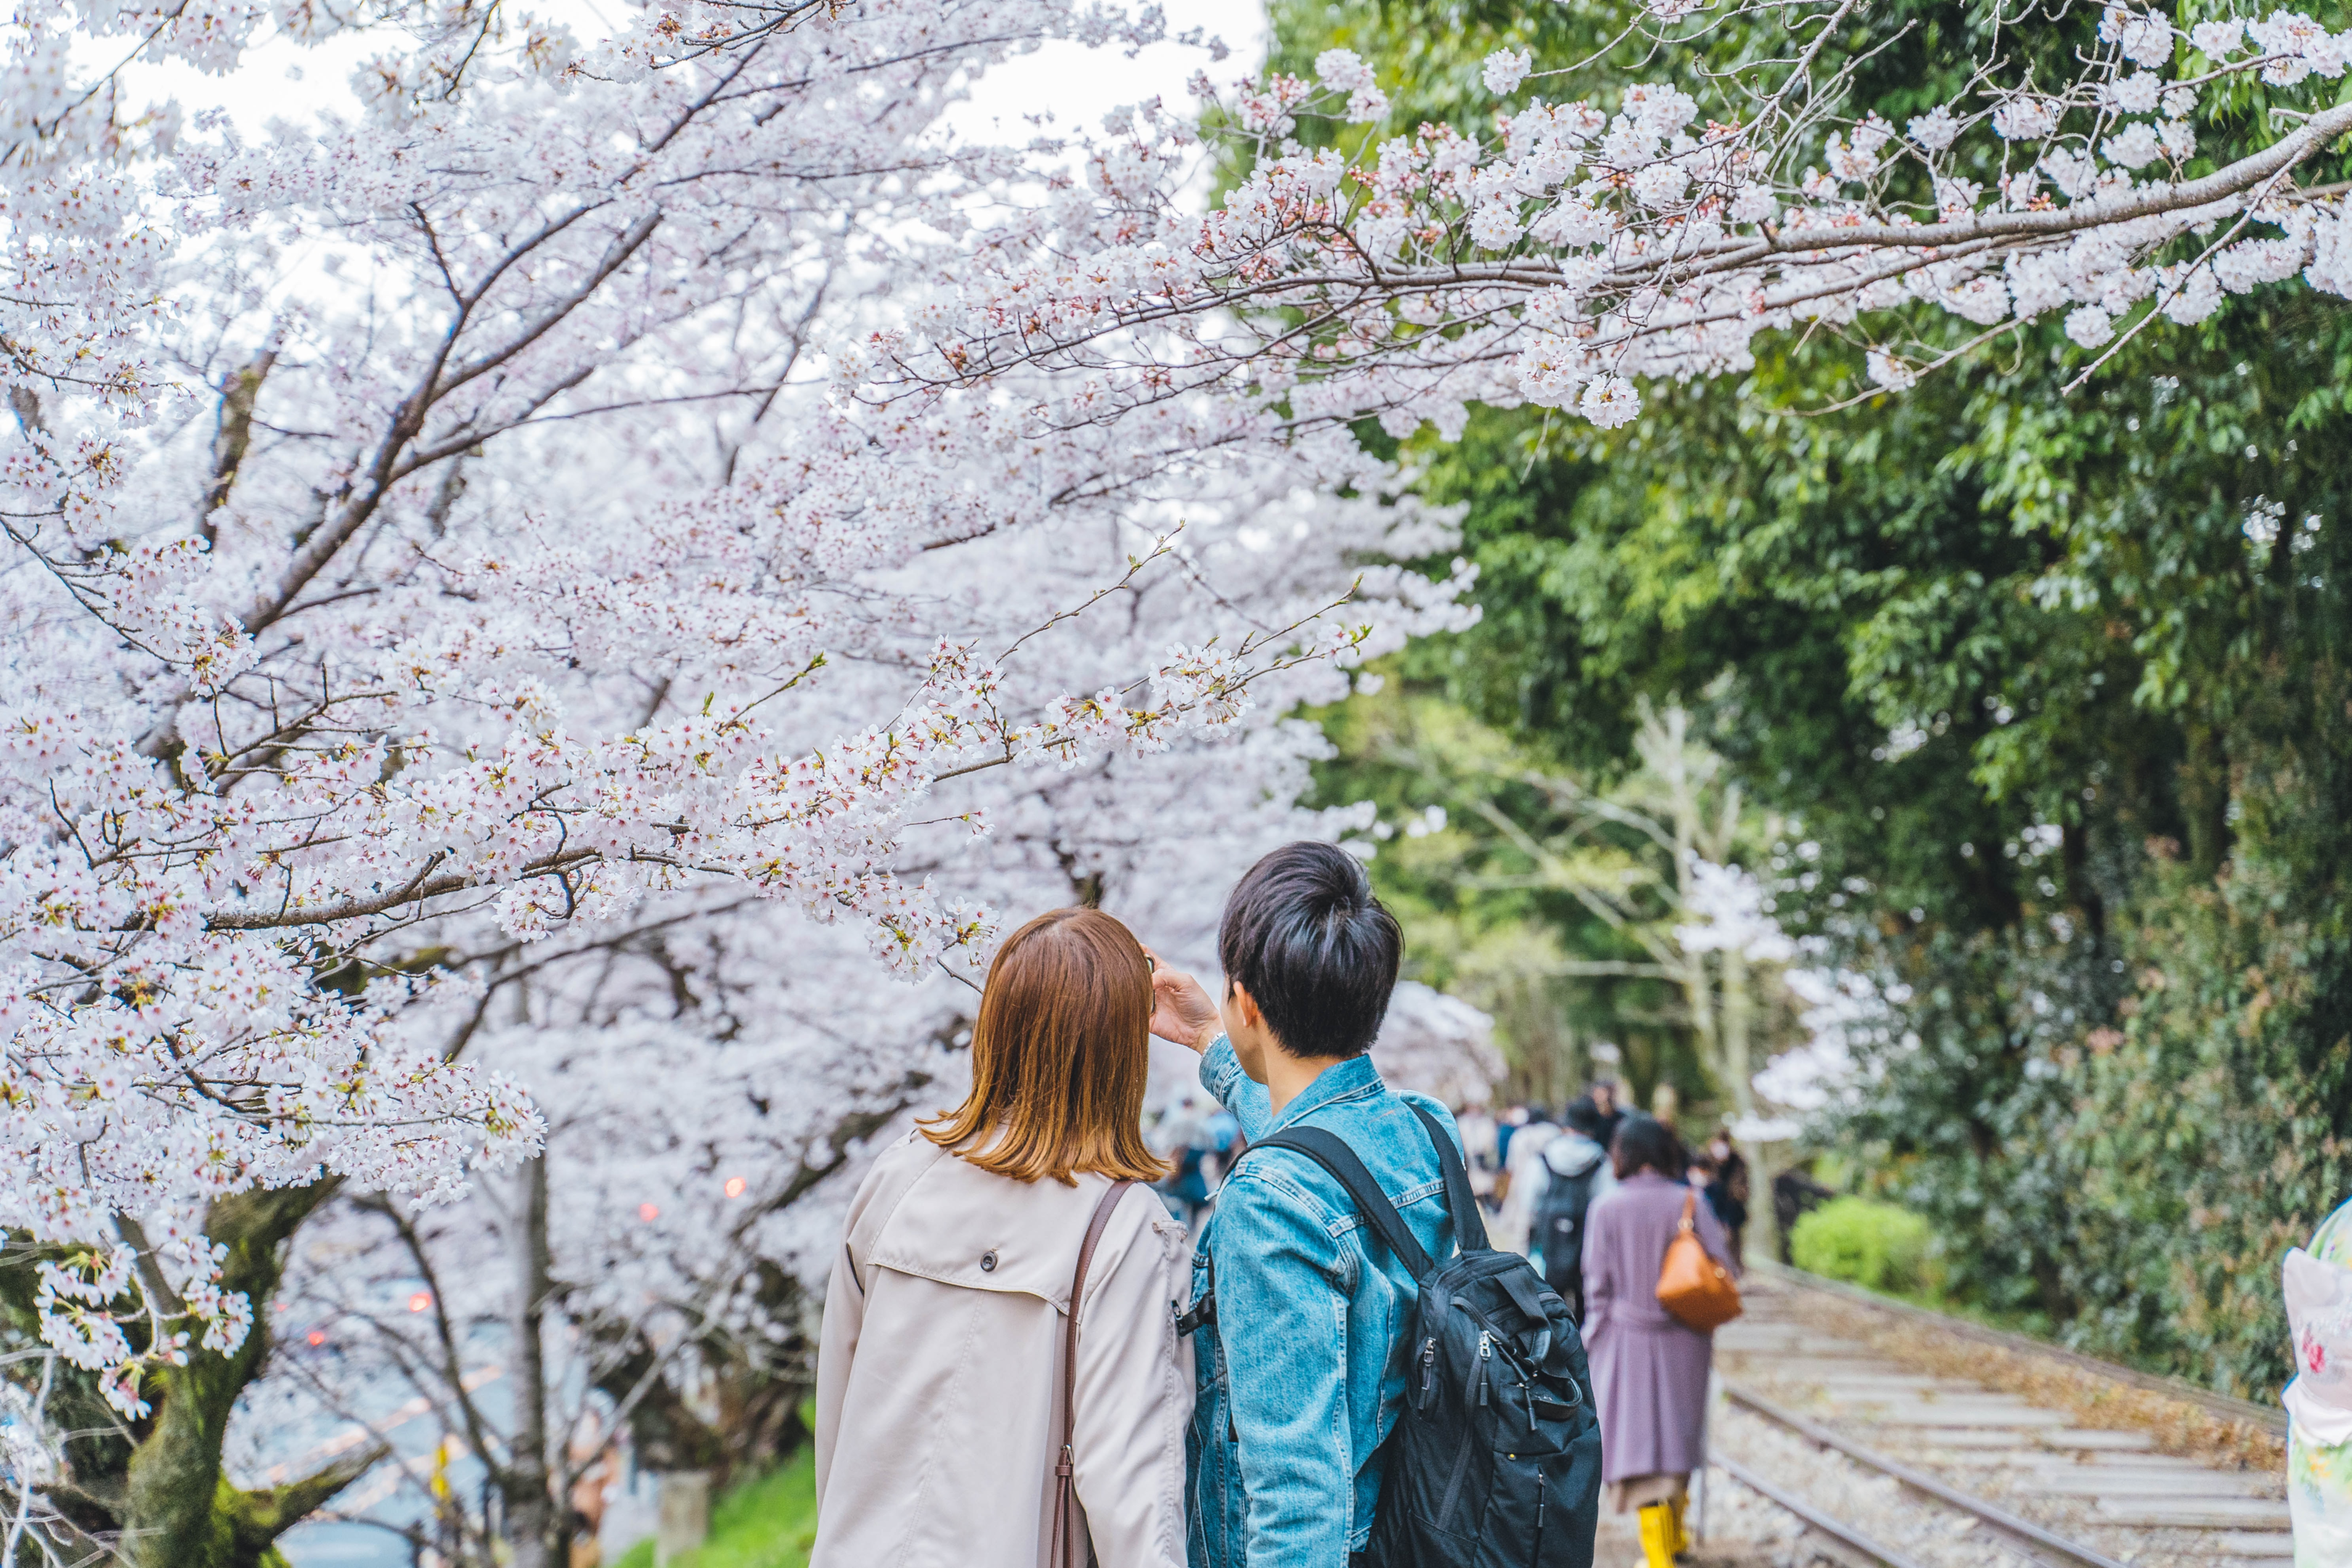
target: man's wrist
<point>1206,1041</point>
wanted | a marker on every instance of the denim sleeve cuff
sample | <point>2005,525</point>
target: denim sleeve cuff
<point>1220,1068</point>
<point>1221,1075</point>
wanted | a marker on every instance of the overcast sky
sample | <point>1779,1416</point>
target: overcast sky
<point>1076,84</point>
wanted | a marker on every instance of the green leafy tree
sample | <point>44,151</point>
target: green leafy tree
<point>2056,678</point>
<point>1534,892</point>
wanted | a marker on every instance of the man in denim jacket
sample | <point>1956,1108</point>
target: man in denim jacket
<point>1300,1364</point>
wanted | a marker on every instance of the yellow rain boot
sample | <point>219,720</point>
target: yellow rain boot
<point>1680,1509</point>
<point>1657,1536</point>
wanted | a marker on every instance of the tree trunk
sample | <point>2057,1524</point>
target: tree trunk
<point>1762,1236</point>
<point>1733,1069</point>
<point>2205,800</point>
<point>532,1522</point>
<point>1739,1081</point>
<point>179,1508</point>
<point>685,1519</point>
<point>233,435</point>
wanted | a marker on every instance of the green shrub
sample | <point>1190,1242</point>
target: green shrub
<point>1875,1245</point>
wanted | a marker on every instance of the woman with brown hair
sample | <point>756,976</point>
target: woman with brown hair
<point>946,1392</point>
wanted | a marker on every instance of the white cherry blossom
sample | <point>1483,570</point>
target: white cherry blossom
<point>1630,233</point>
<point>447,561</point>
<point>1505,69</point>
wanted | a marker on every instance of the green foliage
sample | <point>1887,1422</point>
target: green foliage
<point>2215,1114</point>
<point>2057,682</point>
<point>1477,921</point>
<point>1875,1245</point>
<point>769,1522</point>
<point>1551,902</point>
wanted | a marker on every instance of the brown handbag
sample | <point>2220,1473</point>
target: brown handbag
<point>1072,1547</point>
<point>1696,1290</point>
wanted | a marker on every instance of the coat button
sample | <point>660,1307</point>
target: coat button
<point>988,1262</point>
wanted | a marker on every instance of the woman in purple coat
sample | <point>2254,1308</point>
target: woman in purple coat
<point>1649,1371</point>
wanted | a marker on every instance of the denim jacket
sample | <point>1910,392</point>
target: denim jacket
<point>1302,1371</point>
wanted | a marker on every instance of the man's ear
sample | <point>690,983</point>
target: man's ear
<point>1238,994</point>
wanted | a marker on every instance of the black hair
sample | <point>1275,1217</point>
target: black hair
<point>1644,1142</point>
<point>1581,1115</point>
<point>1305,936</point>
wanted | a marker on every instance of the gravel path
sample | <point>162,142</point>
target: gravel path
<point>2178,1427</point>
<point>1873,1503</point>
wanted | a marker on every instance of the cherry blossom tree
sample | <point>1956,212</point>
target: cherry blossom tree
<point>1439,1045</point>
<point>449,615</point>
<point>711,1084</point>
<point>1652,228</point>
<point>479,564</point>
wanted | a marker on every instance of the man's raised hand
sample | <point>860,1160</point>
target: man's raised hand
<point>1182,1011</point>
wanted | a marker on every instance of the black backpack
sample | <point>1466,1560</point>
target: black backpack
<point>1559,1220</point>
<point>1494,1461</point>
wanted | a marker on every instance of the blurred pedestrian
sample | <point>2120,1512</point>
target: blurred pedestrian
<point>1481,1147</point>
<point>1795,1195</point>
<point>1608,1098</point>
<point>1522,1183</point>
<point>1185,1189</point>
<point>1513,1118</point>
<point>597,1460</point>
<point>1575,1171</point>
<point>1649,1370</point>
<point>2319,1400</point>
<point>1727,1189</point>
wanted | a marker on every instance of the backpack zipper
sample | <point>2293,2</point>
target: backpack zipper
<point>1428,1370</point>
<point>1486,1355</point>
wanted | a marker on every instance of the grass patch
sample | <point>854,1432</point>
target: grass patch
<point>767,1521</point>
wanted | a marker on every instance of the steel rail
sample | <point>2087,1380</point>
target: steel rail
<point>2024,1532</point>
<point>1836,1528</point>
<point>2267,1418</point>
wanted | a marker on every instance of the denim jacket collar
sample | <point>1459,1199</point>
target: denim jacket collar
<point>1341,1080</point>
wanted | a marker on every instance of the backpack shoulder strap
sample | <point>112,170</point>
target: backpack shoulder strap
<point>1469,1225</point>
<point>1326,1150</point>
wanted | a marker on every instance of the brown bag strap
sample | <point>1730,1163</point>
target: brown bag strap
<point>1065,1550</point>
<point>1689,1222</point>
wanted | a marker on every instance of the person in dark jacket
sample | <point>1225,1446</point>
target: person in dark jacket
<point>1726,1188</point>
<point>1607,1097</point>
<point>1795,1195</point>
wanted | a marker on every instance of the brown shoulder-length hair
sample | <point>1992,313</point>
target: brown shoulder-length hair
<point>1060,1055</point>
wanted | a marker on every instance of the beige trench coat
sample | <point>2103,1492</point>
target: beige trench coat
<point>938,1373</point>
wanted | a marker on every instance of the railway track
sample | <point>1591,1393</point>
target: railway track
<point>2025,1538</point>
<point>1846,1454</point>
<point>2266,1417</point>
